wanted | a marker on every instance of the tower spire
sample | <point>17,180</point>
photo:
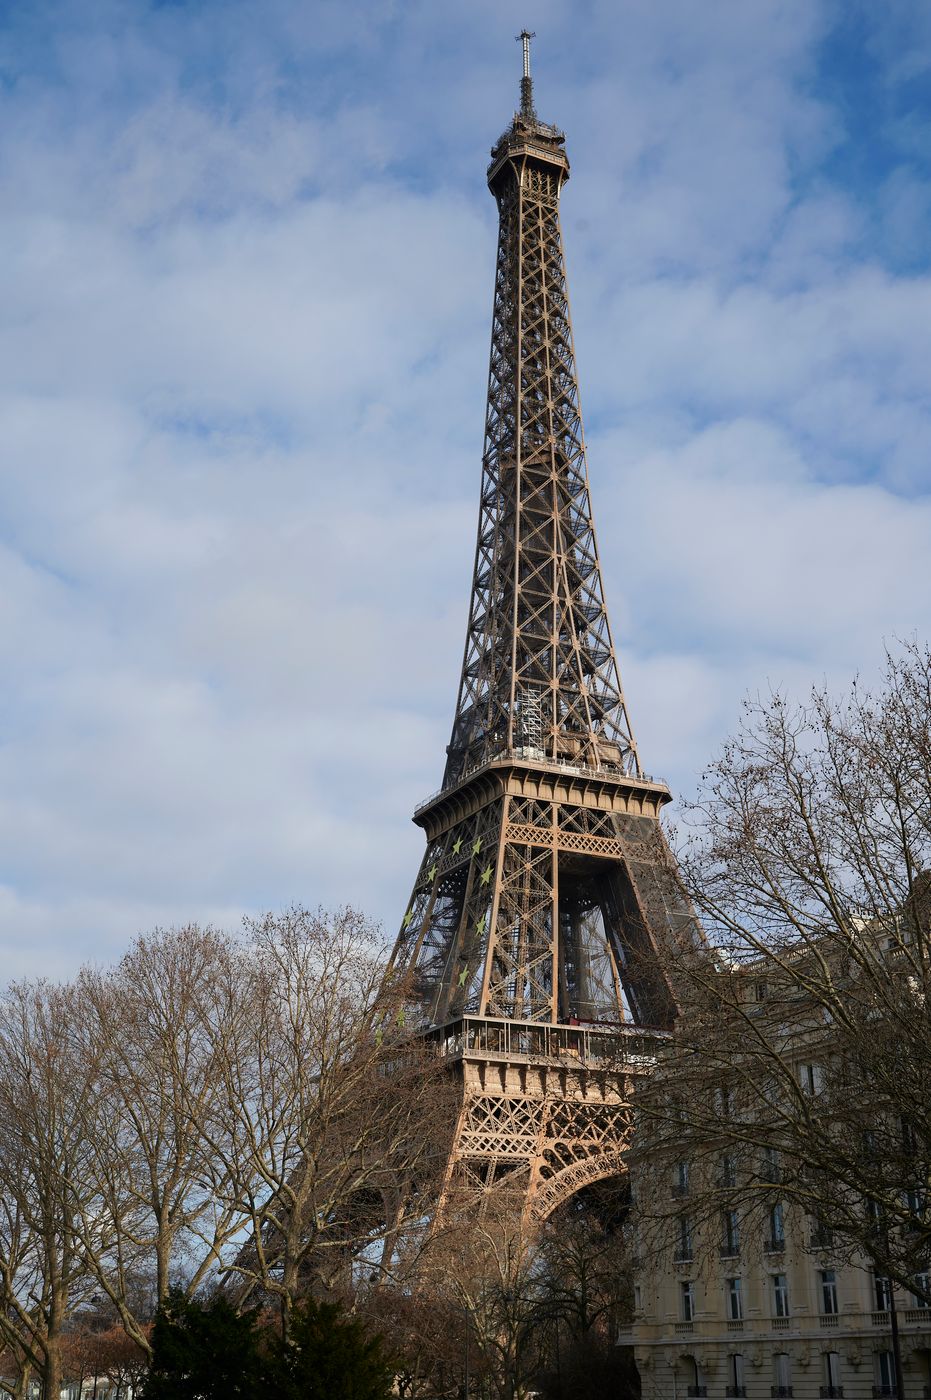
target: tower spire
<point>526,82</point>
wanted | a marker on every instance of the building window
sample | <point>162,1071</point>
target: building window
<point>832,1384</point>
<point>885,1374</point>
<point>782,1370</point>
<point>923,1285</point>
<point>916,1202</point>
<point>770,1165</point>
<point>687,1300</point>
<point>728,1171</point>
<point>882,1293</point>
<point>777,1227</point>
<point>735,1367</point>
<point>638,1298</point>
<point>735,1302</point>
<point>681,1185</point>
<point>684,1243</point>
<point>822,1237</point>
<point>780,1295</point>
<point>828,1292</point>
<point>724,1101</point>
<point>731,1242</point>
<point>697,1386</point>
<point>759,991</point>
<point>810,1078</point>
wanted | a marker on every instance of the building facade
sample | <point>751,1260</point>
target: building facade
<point>744,1288</point>
<point>783,1316</point>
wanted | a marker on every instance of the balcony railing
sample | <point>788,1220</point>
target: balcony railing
<point>683,1255</point>
<point>880,1319</point>
<point>774,1246</point>
<point>780,1324</point>
<point>734,1392</point>
<point>821,1239</point>
<point>729,1251</point>
<point>883,1390</point>
<point>683,1328</point>
<point>735,1324</point>
<point>921,1316</point>
<point>679,1190</point>
<point>828,1320</point>
<point>831,1392</point>
<point>697,1390</point>
<point>781,1390</point>
<point>624,1046</point>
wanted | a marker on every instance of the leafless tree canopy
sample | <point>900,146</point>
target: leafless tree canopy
<point>246,1112</point>
<point>800,1075</point>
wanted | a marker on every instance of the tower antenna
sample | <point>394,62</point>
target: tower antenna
<point>526,82</point>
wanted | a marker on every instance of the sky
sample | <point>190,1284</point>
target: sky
<point>247,258</point>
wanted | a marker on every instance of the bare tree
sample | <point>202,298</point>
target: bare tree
<point>210,1106</point>
<point>483,1265</point>
<point>428,1334</point>
<point>45,1184</point>
<point>156,1028</point>
<point>799,1078</point>
<point>333,1119</point>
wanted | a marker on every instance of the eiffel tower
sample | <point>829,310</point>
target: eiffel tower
<point>538,939</point>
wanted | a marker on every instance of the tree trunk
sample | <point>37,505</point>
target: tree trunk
<point>51,1378</point>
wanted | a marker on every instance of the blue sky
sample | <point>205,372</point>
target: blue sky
<point>247,259</point>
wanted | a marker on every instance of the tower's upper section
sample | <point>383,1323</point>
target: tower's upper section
<point>527,138</point>
<point>540,680</point>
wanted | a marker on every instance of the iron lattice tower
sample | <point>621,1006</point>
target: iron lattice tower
<point>538,939</point>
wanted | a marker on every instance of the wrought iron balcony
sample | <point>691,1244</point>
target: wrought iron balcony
<point>734,1392</point>
<point>774,1246</point>
<point>697,1390</point>
<point>780,1390</point>
<point>729,1251</point>
<point>831,1392</point>
<point>883,1390</point>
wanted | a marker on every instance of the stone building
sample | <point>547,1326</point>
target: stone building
<point>743,1289</point>
<point>779,1316</point>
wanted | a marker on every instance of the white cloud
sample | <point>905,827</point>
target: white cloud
<point>247,283</point>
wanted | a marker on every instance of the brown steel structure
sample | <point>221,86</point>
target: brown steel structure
<point>539,935</point>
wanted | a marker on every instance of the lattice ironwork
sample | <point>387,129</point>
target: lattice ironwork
<point>547,893</point>
<point>539,672</point>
